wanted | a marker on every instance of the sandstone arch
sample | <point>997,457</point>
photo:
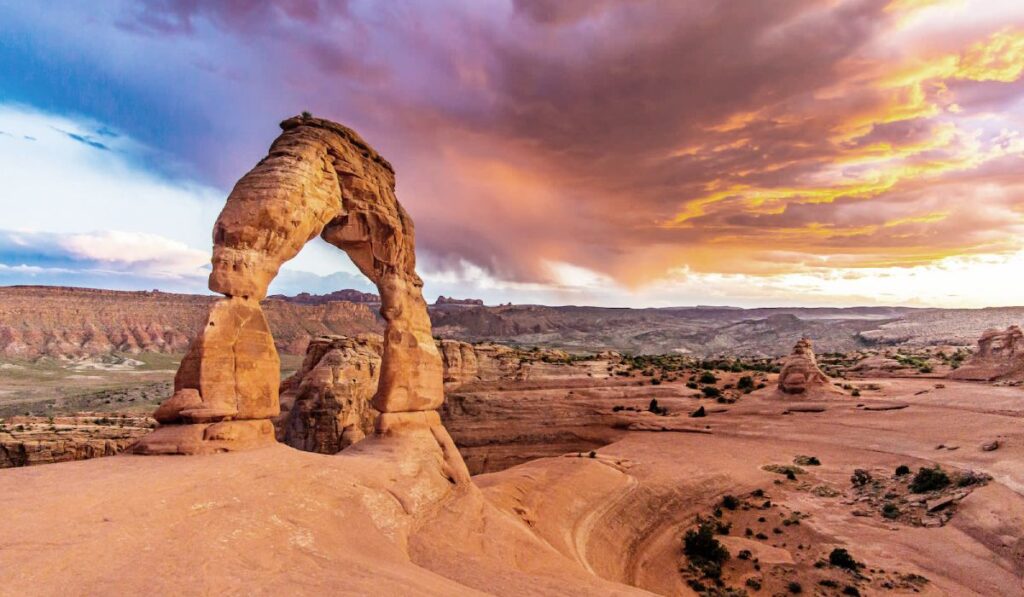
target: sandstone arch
<point>319,178</point>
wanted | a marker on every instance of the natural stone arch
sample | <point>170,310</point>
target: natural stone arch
<point>319,178</point>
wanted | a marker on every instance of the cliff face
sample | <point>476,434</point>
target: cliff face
<point>40,321</point>
<point>27,441</point>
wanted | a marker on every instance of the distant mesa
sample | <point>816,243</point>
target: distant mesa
<point>447,300</point>
<point>347,295</point>
<point>1000,357</point>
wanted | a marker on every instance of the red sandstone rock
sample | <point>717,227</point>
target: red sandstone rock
<point>800,373</point>
<point>318,178</point>
<point>1000,356</point>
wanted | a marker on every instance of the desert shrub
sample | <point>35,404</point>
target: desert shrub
<point>855,392</point>
<point>704,551</point>
<point>711,392</point>
<point>708,377</point>
<point>700,412</point>
<point>851,590</point>
<point>890,511</point>
<point>929,479</point>
<point>860,477</point>
<point>753,583</point>
<point>828,582</point>
<point>840,558</point>
<point>745,383</point>
<point>807,460</point>
<point>617,408</point>
<point>794,587</point>
<point>902,470</point>
<point>692,385</point>
<point>744,554</point>
<point>593,454</point>
<point>730,502</point>
<point>306,114</point>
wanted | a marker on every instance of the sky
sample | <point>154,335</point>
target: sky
<point>618,153</point>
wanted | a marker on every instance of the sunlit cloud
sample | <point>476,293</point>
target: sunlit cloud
<point>565,151</point>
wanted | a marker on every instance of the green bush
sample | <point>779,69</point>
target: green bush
<point>902,470</point>
<point>711,392</point>
<point>890,511</point>
<point>929,479</point>
<point>745,383</point>
<point>730,502</point>
<point>708,378</point>
<point>704,551</point>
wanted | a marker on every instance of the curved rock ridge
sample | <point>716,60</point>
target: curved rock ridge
<point>800,373</point>
<point>319,178</point>
<point>1000,356</point>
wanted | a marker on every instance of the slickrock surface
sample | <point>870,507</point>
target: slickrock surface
<point>382,518</point>
<point>27,441</point>
<point>61,322</point>
<point>1000,356</point>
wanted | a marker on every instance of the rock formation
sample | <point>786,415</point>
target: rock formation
<point>319,178</point>
<point>28,441</point>
<point>448,300</point>
<point>325,405</point>
<point>1000,356</point>
<point>800,373</point>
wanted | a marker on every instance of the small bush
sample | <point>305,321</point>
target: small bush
<point>840,558</point>
<point>593,454</point>
<point>860,477</point>
<point>703,550</point>
<point>851,590</point>
<point>306,114</point>
<point>753,583</point>
<point>699,413</point>
<point>902,470</point>
<point>744,554</point>
<point>929,479</point>
<point>711,392</point>
<point>807,460</point>
<point>655,381</point>
<point>708,378</point>
<point>856,392</point>
<point>730,502</point>
<point>795,588</point>
<point>890,511</point>
<point>745,383</point>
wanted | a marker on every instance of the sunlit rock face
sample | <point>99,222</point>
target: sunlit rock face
<point>1000,356</point>
<point>800,373</point>
<point>319,178</point>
